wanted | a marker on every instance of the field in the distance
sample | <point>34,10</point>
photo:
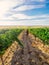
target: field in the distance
<point>11,27</point>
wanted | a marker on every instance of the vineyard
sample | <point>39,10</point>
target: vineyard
<point>7,37</point>
<point>27,46</point>
<point>42,33</point>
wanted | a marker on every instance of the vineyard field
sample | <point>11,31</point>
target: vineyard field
<point>7,37</point>
<point>42,33</point>
<point>18,45</point>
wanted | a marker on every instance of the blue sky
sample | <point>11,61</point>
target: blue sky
<point>24,12</point>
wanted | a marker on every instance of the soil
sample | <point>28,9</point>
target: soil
<point>34,52</point>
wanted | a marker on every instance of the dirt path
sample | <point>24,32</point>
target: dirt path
<point>31,54</point>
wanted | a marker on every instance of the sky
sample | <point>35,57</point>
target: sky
<point>24,12</point>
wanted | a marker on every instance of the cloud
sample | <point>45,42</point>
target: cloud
<point>30,19</point>
<point>6,5</point>
<point>29,4</point>
<point>24,6</point>
<point>19,16</point>
<point>28,7</point>
<point>26,22</point>
<point>40,0</point>
<point>9,17</point>
<point>20,5</point>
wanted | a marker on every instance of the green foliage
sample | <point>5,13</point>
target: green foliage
<point>2,31</point>
<point>19,42</point>
<point>7,38</point>
<point>42,33</point>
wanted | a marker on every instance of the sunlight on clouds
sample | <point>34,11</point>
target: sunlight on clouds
<point>11,12</point>
<point>7,23</point>
<point>5,5</point>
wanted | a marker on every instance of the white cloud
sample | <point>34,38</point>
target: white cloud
<point>6,5</point>
<point>23,16</point>
<point>38,0</point>
<point>26,22</point>
<point>28,7</point>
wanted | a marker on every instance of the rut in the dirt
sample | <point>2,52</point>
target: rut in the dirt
<point>28,55</point>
